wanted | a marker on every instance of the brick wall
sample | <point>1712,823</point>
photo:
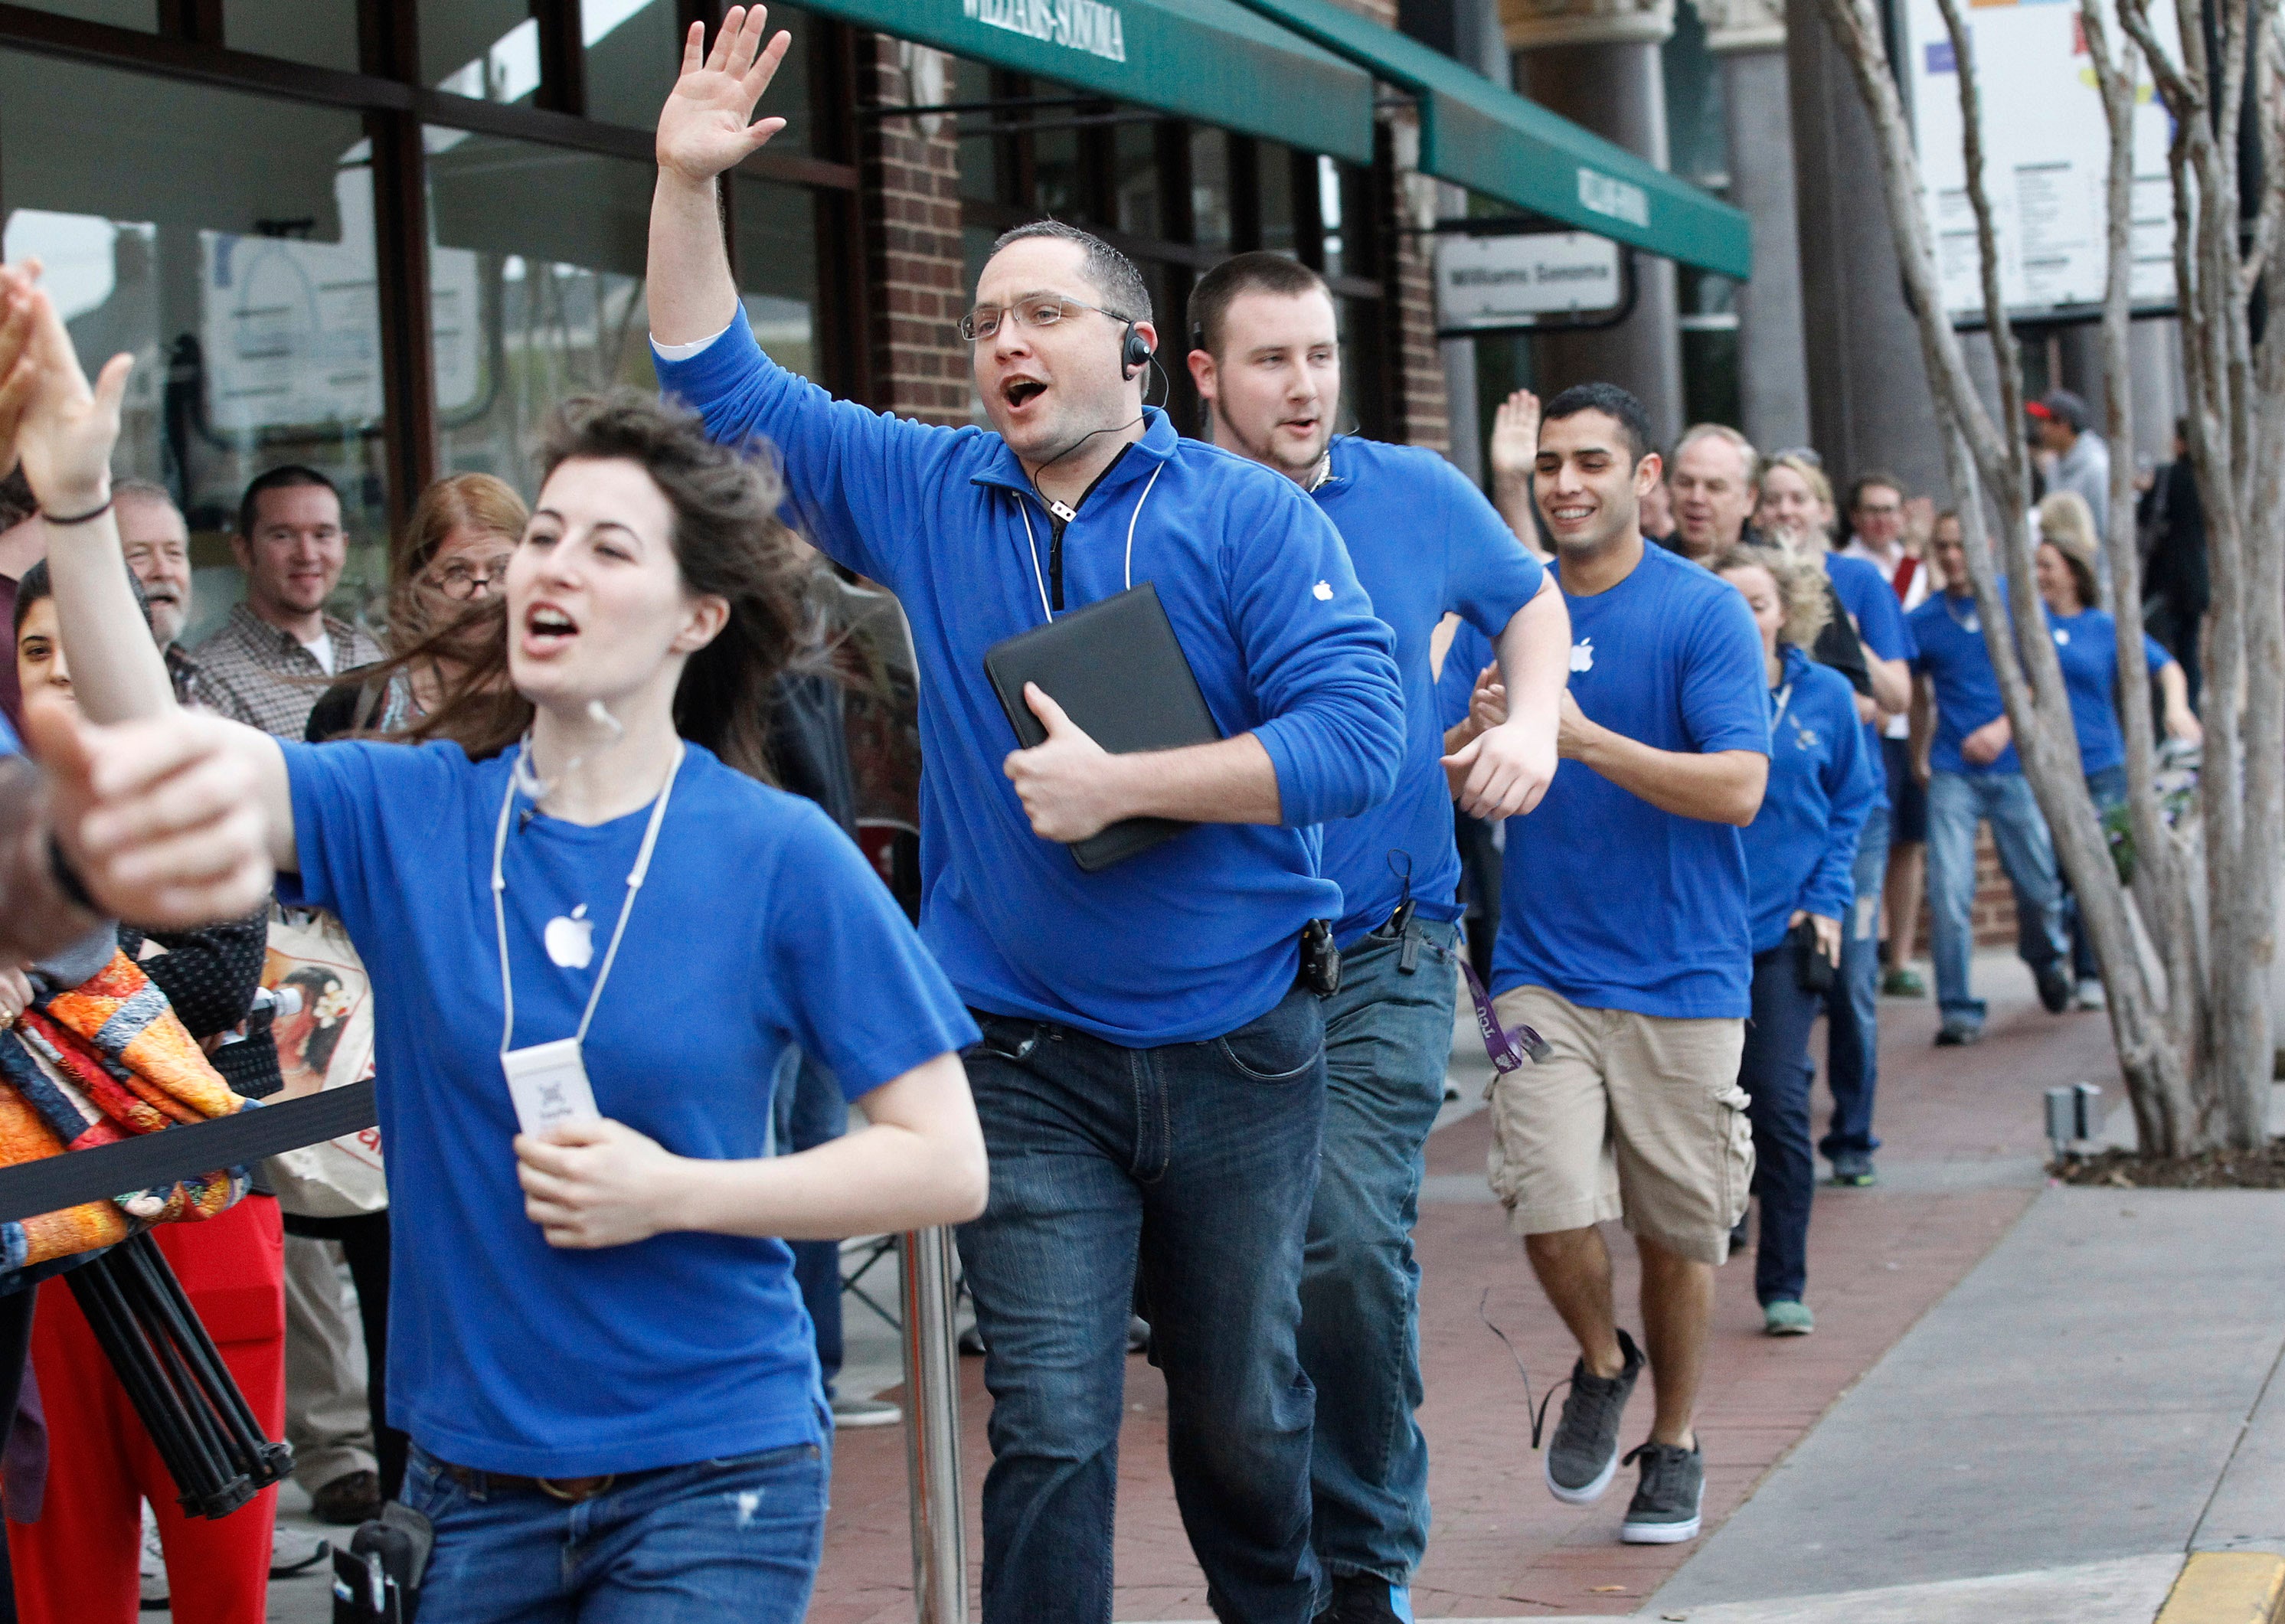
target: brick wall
<point>1992,918</point>
<point>910,203</point>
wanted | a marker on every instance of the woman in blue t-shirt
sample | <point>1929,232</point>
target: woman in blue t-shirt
<point>586,920</point>
<point>1800,849</point>
<point>2086,644</point>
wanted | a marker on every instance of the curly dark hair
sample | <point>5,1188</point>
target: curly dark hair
<point>729,543</point>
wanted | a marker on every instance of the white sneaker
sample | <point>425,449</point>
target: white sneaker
<point>152,1566</point>
<point>295,1549</point>
<point>2090,996</point>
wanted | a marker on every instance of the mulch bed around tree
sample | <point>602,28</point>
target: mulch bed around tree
<point>2262,1169</point>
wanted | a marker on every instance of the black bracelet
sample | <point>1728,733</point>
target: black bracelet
<point>68,879</point>
<point>92,513</point>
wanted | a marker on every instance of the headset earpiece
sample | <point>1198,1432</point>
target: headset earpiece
<point>1134,352</point>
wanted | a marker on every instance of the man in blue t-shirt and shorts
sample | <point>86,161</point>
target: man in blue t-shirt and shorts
<point>1151,1075</point>
<point>1625,941</point>
<point>1266,356</point>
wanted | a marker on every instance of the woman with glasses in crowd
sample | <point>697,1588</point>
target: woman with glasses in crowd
<point>601,1358</point>
<point>1800,849</point>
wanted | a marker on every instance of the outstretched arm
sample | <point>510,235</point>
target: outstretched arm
<point>65,437</point>
<point>706,128</point>
<point>1503,772</point>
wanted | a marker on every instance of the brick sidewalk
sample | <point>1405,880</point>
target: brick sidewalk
<point>1961,1127</point>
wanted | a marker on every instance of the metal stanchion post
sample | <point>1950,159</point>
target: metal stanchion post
<point>932,1429</point>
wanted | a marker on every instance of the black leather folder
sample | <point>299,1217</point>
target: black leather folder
<point>1118,672</point>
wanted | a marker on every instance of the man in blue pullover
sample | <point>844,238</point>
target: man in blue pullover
<point>1151,1076</point>
<point>1266,356</point>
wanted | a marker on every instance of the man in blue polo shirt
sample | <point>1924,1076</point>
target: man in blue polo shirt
<point>1266,356</point>
<point>1974,775</point>
<point>1152,1074</point>
<point>1625,940</point>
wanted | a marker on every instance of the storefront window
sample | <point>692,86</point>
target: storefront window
<point>249,300</point>
<point>486,49</point>
<point>322,33</point>
<point>634,51</point>
<point>536,279</point>
<point>1134,161</point>
<point>1276,192</point>
<point>1210,188</point>
<point>141,15</point>
<point>777,270</point>
<point>1330,213</point>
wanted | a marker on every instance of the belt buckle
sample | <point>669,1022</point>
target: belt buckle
<point>573,1490</point>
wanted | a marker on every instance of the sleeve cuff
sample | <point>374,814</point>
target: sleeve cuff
<point>684,352</point>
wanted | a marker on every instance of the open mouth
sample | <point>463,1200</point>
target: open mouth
<point>549,626</point>
<point>1020,392</point>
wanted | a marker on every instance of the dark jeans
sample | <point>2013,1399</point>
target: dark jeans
<point>807,1112</point>
<point>735,1539</point>
<point>1775,1071</point>
<point>365,1247</point>
<point>1852,1032</point>
<point>1388,1043</point>
<point>2106,788</point>
<point>1194,1162</point>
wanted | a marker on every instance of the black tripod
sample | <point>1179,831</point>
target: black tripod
<point>206,1433</point>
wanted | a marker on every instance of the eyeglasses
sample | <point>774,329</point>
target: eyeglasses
<point>465,582</point>
<point>1039,311</point>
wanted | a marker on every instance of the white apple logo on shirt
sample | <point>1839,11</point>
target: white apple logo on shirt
<point>1583,655</point>
<point>570,941</point>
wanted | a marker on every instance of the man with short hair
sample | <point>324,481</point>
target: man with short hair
<point>1150,1077</point>
<point>1960,730</point>
<point>1625,942</point>
<point>260,668</point>
<point>2061,427</point>
<point>1266,357</point>
<point>1714,483</point>
<point>157,543</point>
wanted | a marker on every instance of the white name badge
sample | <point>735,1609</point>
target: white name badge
<point>548,1082</point>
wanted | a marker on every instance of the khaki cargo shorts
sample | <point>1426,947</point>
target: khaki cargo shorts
<point>1632,1117</point>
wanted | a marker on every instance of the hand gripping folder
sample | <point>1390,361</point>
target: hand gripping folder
<point>1120,675</point>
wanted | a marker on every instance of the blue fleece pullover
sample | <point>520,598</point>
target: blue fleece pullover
<point>1800,849</point>
<point>1199,936</point>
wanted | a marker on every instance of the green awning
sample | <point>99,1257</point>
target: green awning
<point>1207,59</point>
<point>1476,135</point>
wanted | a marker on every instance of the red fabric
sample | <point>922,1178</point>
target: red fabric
<point>77,1563</point>
<point>1903,581</point>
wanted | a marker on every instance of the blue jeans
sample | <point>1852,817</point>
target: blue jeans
<point>1191,1166</point>
<point>1852,1036</point>
<point>730,1541</point>
<point>1774,1071</point>
<point>807,1112</point>
<point>2106,788</point>
<point>1957,802</point>
<point>1388,1043</point>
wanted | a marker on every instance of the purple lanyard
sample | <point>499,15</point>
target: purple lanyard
<point>1507,1049</point>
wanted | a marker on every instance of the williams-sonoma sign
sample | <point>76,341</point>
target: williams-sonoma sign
<point>1076,24</point>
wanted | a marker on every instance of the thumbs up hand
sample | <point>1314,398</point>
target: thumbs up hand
<point>1066,782</point>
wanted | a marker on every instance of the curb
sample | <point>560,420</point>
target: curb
<point>2227,1586</point>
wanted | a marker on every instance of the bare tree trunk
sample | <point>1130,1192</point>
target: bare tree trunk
<point>1985,456</point>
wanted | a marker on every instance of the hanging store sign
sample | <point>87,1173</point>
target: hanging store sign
<point>2046,152</point>
<point>1487,283</point>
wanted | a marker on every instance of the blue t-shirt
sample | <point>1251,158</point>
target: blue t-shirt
<point>2087,645</point>
<point>1198,936</point>
<point>1949,634</point>
<point>1605,899</point>
<point>759,925</point>
<point>1424,541</point>
<point>1879,619</point>
<point>1800,847</point>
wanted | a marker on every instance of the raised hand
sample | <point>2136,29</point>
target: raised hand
<point>1515,435</point>
<point>65,430</point>
<point>16,364</point>
<point>703,129</point>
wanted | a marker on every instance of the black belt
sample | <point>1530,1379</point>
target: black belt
<point>155,1160</point>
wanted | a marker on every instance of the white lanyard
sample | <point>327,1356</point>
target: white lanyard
<point>1032,545</point>
<point>634,883</point>
<point>1785,698</point>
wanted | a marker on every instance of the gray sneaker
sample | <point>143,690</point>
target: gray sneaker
<point>1583,1457</point>
<point>1664,1510</point>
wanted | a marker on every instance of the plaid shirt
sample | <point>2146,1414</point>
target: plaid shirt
<point>253,673</point>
